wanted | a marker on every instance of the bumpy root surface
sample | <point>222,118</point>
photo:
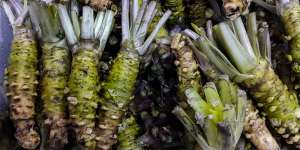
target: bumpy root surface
<point>127,133</point>
<point>83,95</point>
<point>22,84</point>
<point>100,4</point>
<point>256,130</point>
<point>56,66</point>
<point>187,67</point>
<point>117,95</point>
<point>280,105</point>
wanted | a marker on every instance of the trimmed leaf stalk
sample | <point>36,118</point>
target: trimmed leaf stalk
<point>255,128</point>
<point>234,8</point>
<point>120,84</point>
<point>220,115</point>
<point>55,73</point>
<point>84,79</point>
<point>290,16</point>
<point>127,134</point>
<point>22,81</point>
<point>254,72</point>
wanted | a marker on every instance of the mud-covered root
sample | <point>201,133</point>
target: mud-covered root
<point>279,104</point>
<point>187,68</point>
<point>22,85</point>
<point>117,95</point>
<point>100,4</point>
<point>234,8</point>
<point>256,130</point>
<point>55,72</point>
<point>127,134</point>
<point>83,95</point>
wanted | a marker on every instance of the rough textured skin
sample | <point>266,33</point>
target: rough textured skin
<point>187,67</point>
<point>127,135</point>
<point>22,85</point>
<point>196,12</point>
<point>100,4</point>
<point>291,21</point>
<point>177,8</point>
<point>256,130</point>
<point>55,72</point>
<point>118,91</point>
<point>234,8</point>
<point>83,95</point>
<point>280,105</point>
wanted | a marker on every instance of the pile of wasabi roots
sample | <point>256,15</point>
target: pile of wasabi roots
<point>149,74</point>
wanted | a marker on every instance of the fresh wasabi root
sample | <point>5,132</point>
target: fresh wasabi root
<point>83,95</point>
<point>197,12</point>
<point>220,115</point>
<point>187,67</point>
<point>118,93</point>
<point>127,134</point>
<point>55,72</point>
<point>55,68</point>
<point>120,84</point>
<point>256,130</point>
<point>234,8</point>
<point>253,71</point>
<point>21,76</point>
<point>290,16</point>
<point>22,86</point>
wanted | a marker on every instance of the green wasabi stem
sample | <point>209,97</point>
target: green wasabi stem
<point>220,116</point>
<point>252,33</point>
<point>55,72</point>
<point>74,12</point>
<point>276,101</point>
<point>187,68</point>
<point>120,84</point>
<point>177,7</point>
<point>255,128</point>
<point>22,81</point>
<point>84,79</point>
<point>127,134</point>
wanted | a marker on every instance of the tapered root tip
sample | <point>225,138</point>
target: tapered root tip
<point>26,136</point>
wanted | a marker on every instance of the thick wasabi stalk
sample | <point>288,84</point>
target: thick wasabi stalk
<point>55,73</point>
<point>83,84</point>
<point>127,135</point>
<point>255,73</point>
<point>220,115</point>
<point>187,67</point>
<point>120,84</point>
<point>21,77</point>
<point>255,127</point>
